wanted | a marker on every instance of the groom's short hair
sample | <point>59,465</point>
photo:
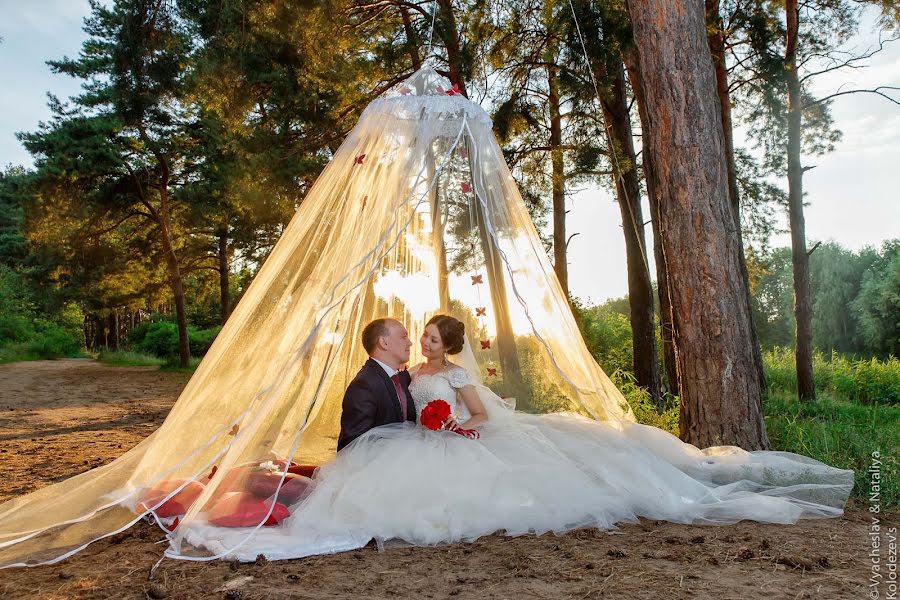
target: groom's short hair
<point>373,331</point>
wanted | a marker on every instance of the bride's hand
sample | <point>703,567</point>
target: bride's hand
<point>451,424</point>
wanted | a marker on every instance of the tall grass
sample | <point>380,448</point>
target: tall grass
<point>128,358</point>
<point>869,381</point>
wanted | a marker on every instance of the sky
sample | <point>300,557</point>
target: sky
<point>854,192</point>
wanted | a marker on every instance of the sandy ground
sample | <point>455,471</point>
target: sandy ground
<point>59,418</point>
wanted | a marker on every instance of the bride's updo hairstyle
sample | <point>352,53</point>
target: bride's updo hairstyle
<point>453,332</point>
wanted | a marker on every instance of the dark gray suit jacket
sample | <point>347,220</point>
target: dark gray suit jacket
<point>371,401</point>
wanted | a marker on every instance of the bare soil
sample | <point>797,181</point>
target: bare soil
<point>60,418</point>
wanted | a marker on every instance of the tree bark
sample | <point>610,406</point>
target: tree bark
<point>412,45</point>
<point>175,278</point>
<point>437,239</point>
<point>806,387</point>
<point>558,180</point>
<point>667,329</point>
<point>224,271</point>
<point>716,41</point>
<point>450,35</point>
<point>720,391</point>
<point>628,194</point>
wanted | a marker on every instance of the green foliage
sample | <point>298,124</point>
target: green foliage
<point>855,298</point>
<point>607,333</point>
<point>867,381</point>
<point>877,306</point>
<point>24,335</point>
<point>161,339</point>
<point>645,410</point>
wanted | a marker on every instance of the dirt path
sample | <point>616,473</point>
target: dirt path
<point>59,418</point>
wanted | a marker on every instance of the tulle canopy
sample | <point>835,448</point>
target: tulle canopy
<point>416,214</point>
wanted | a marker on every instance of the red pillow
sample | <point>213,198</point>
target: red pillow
<point>177,504</point>
<point>242,509</point>
<point>305,470</point>
<point>265,483</point>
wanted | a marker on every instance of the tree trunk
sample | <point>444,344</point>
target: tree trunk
<point>506,339</point>
<point>412,44</point>
<point>450,35</point>
<point>175,279</point>
<point>667,330</point>
<point>437,238</point>
<point>716,41</point>
<point>628,194</point>
<point>720,391</point>
<point>558,178</point>
<point>806,387</point>
<point>224,272</point>
<point>115,324</point>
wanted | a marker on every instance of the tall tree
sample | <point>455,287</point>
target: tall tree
<point>132,111</point>
<point>720,387</point>
<point>776,53</point>
<point>716,38</point>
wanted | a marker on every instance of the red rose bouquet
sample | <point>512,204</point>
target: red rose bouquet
<point>435,415</point>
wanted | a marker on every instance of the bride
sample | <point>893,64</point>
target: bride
<point>525,474</point>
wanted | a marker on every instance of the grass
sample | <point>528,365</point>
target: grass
<point>840,433</point>
<point>28,351</point>
<point>127,358</point>
<point>868,381</point>
<point>174,368</point>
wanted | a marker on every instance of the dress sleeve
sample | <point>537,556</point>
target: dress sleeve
<point>458,377</point>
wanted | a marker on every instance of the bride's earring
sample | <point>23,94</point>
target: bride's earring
<point>446,362</point>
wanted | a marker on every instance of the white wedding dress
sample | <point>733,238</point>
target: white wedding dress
<point>528,474</point>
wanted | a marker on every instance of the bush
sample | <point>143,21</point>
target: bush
<point>161,339</point>
<point>201,339</point>
<point>607,334</point>
<point>15,328</point>
<point>645,411</point>
<point>54,342</point>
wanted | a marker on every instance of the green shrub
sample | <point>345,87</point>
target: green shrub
<point>645,411</point>
<point>862,380</point>
<point>15,328</point>
<point>54,342</point>
<point>607,334</point>
<point>202,339</point>
<point>161,339</point>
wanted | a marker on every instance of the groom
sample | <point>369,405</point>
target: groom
<point>379,394</point>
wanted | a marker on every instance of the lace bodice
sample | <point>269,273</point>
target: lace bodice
<point>442,385</point>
